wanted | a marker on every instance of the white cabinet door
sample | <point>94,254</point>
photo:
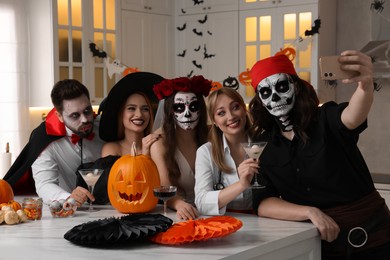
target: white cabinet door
<point>256,4</point>
<point>186,7</point>
<point>209,48</point>
<point>147,42</point>
<point>149,6</point>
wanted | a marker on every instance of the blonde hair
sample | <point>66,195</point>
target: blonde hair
<point>215,134</point>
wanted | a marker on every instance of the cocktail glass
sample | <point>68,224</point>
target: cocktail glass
<point>165,193</point>
<point>254,150</point>
<point>91,176</point>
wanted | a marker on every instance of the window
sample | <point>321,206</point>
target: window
<point>76,27</point>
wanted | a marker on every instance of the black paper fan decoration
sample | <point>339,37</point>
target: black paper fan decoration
<point>109,231</point>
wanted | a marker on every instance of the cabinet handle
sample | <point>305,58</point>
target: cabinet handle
<point>209,7</point>
<point>204,8</point>
<point>145,7</point>
<point>150,8</point>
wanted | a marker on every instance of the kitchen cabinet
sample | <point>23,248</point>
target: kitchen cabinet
<point>256,4</point>
<point>147,41</point>
<point>149,6</point>
<point>41,65</point>
<point>266,27</point>
<point>186,7</point>
<point>207,45</point>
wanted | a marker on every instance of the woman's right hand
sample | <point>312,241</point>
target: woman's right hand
<point>246,170</point>
<point>185,211</point>
<point>147,141</point>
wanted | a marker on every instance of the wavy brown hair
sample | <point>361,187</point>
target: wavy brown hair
<point>169,130</point>
<point>215,134</point>
<point>303,113</point>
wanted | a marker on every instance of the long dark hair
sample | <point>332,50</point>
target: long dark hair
<point>169,130</point>
<point>303,113</point>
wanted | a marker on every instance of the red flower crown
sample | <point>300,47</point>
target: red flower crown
<point>196,84</point>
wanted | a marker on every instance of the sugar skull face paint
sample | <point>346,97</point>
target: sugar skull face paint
<point>277,94</point>
<point>186,110</point>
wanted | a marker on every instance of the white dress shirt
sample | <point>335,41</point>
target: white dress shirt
<point>54,171</point>
<point>207,174</point>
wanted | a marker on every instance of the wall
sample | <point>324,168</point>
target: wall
<point>356,26</point>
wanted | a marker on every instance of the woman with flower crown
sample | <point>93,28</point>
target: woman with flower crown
<point>183,130</point>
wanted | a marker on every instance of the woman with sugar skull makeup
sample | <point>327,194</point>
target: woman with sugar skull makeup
<point>312,164</point>
<point>183,130</point>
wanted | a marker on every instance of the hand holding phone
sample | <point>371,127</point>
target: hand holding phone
<point>330,69</point>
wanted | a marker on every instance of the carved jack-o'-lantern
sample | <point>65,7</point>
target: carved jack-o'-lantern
<point>245,78</point>
<point>131,182</point>
<point>231,82</point>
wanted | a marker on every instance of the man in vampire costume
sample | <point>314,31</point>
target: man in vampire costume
<point>58,147</point>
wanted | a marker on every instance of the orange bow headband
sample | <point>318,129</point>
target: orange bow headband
<point>270,66</point>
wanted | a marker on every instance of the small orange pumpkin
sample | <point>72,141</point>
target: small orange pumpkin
<point>13,204</point>
<point>215,85</point>
<point>6,192</point>
<point>131,182</point>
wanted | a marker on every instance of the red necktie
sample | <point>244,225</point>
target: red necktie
<point>76,138</point>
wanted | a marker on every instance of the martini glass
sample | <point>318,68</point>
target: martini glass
<point>91,176</point>
<point>254,150</point>
<point>165,193</point>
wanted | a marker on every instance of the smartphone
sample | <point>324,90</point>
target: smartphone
<point>330,69</point>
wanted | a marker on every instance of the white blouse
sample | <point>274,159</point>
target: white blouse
<point>207,174</point>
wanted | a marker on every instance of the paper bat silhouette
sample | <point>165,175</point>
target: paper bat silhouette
<point>182,28</point>
<point>204,19</point>
<point>182,11</point>
<point>314,29</point>
<point>190,74</point>
<point>209,33</point>
<point>199,66</point>
<point>197,49</point>
<point>96,52</point>
<point>182,54</point>
<point>197,2</point>
<point>196,32</point>
<point>205,54</point>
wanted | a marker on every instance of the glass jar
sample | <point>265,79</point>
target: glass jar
<point>33,208</point>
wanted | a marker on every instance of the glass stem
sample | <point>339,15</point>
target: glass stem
<point>91,191</point>
<point>165,208</point>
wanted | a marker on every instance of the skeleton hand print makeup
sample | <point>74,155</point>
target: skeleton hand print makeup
<point>186,110</point>
<point>277,94</point>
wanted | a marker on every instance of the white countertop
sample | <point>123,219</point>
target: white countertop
<point>272,239</point>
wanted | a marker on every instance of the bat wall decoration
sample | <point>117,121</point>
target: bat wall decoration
<point>199,66</point>
<point>197,49</point>
<point>205,54</point>
<point>204,20</point>
<point>96,52</point>
<point>198,2</point>
<point>197,33</point>
<point>314,29</point>
<point>182,28</point>
<point>182,54</point>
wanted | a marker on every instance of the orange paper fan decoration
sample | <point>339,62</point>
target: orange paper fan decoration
<point>198,230</point>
